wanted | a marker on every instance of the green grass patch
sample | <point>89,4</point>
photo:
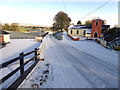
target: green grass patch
<point>23,29</point>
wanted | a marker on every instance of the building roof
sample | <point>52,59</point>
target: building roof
<point>105,26</point>
<point>80,26</point>
<point>36,30</point>
<point>3,32</point>
<point>87,27</point>
<point>97,19</point>
<point>88,30</point>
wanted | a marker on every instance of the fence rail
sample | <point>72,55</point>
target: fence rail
<point>114,43</point>
<point>23,73</point>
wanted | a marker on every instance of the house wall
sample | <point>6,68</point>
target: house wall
<point>88,35</point>
<point>6,38</point>
<point>1,39</point>
<point>74,32</point>
<point>37,39</point>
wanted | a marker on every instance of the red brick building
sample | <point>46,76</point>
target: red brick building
<point>97,28</point>
<point>1,39</point>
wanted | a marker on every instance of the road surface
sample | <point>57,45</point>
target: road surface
<point>72,68</point>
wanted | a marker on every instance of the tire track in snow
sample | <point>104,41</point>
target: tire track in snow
<point>71,81</point>
<point>56,68</point>
<point>97,60</point>
<point>93,74</point>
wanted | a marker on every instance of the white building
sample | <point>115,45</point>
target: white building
<point>4,37</point>
<point>80,31</point>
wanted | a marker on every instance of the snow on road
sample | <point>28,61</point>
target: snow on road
<point>91,71</point>
<point>73,67</point>
<point>92,48</point>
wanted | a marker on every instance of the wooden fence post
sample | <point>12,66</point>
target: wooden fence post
<point>21,62</point>
<point>35,54</point>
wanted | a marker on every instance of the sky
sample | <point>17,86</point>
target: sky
<point>42,12</point>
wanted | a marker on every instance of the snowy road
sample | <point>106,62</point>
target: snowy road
<point>72,68</point>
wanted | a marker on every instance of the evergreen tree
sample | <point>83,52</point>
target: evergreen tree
<point>61,21</point>
<point>79,22</point>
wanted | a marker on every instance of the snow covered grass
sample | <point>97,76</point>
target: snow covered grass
<point>38,77</point>
<point>17,46</point>
<point>94,49</point>
<point>13,50</point>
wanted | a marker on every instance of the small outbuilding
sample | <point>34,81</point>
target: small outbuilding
<point>38,38</point>
<point>4,37</point>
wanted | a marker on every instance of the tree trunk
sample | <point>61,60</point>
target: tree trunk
<point>61,29</point>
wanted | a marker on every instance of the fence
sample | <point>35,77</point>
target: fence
<point>74,38</point>
<point>23,73</point>
<point>115,43</point>
<point>102,42</point>
<point>44,34</point>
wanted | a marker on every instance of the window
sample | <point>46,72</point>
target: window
<point>71,32</point>
<point>77,31</point>
<point>95,35</point>
<point>84,32</point>
<point>96,23</point>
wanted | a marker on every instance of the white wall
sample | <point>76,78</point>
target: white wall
<point>7,38</point>
<point>88,35</point>
<point>74,32</point>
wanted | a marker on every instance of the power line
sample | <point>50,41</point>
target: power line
<point>64,6</point>
<point>96,9</point>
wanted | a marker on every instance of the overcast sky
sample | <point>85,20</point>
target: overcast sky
<point>42,12</point>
